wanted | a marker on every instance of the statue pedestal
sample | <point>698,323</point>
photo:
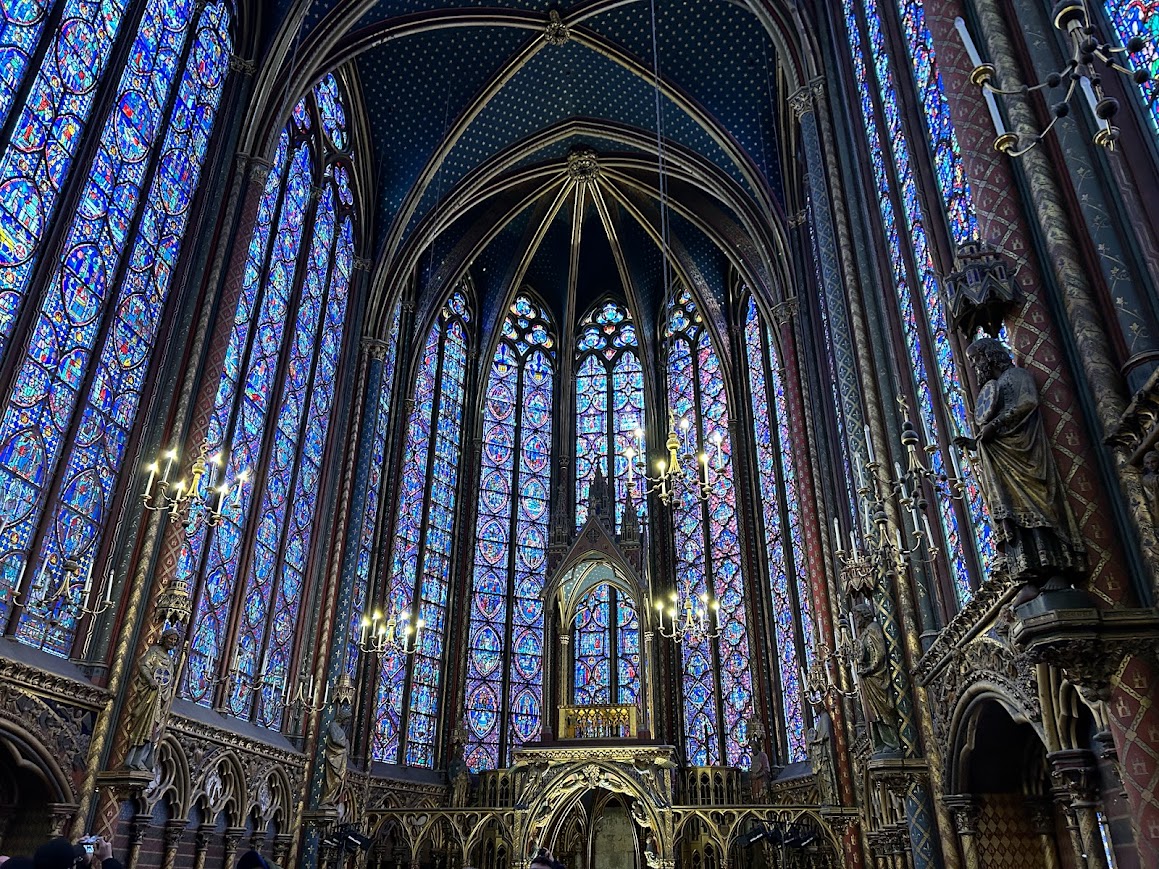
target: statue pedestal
<point>1064,628</point>
<point>321,819</point>
<point>125,782</point>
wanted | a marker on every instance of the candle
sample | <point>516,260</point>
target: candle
<point>869,446</point>
<point>365,625</point>
<point>837,534</point>
<point>88,585</point>
<point>929,533</point>
<point>40,577</point>
<point>152,477</point>
<point>241,478</point>
<point>170,457</point>
<point>418,630</point>
<point>222,491</point>
<point>967,41</point>
<point>954,463</point>
<point>860,479</point>
<point>20,575</point>
<point>214,465</point>
<point>852,541</point>
<point>109,586</point>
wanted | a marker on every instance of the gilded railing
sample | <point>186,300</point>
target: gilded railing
<point>598,722</point>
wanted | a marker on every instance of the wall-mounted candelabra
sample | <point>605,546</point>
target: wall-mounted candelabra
<point>202,498</point>
<point>889,545</point>
<point>828,672</point>
<point>683,471</point>
<point>398,634</point>
<point>691,617</point>
<point>1090,60</point>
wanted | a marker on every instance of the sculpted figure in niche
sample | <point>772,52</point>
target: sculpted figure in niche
<point>459,774</point>
<point>872,664</point>
<point>1035,531</point>
<point>154,681</point>
<point>337,749</point>
<point>817,741</point>
<point>761,771</point>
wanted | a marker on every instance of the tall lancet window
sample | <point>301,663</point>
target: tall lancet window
<point>718,697</point>
<point>407,701</point>
<point>272,412</point>
<point>504,696</point>
<point>781,516</point>
<point>915,278</point>
<point>609,405</point>
<point>91,308</point>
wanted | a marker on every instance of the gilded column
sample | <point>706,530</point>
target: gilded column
<point>1042,820</point>
<point>340,605</point>
<point>965,811</point>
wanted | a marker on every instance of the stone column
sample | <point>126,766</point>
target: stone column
<point>965,811</point>
<point>201,844</point>
<point>563,669</point>
<point>172,839</point>
<point>232,842</point>
<point>137,830</point>
<point>59,816</point>
<point>1076,780</point>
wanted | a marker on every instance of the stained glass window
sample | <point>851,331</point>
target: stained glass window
<point>716,672</point>
<point>272,412</point>
<point>1132,18</point>
<point>374,486</point>
<point>923,320</point>
<point>78,385</point>
<point>504,694</point>
<point>780,511</point>
<point>37,161</point>
<point>407,699</point>
<point>609,405</point>
<point>606,633</point>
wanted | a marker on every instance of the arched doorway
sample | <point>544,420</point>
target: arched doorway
<point>1006,815</point>
<point>35,801</point>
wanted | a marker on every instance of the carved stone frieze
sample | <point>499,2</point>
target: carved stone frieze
<point>982,660</point>
<point>1087,644</point>
<point>55,711</point>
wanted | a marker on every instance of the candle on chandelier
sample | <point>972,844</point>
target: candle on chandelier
<point>241,478</point>
<point>88,584</point>
<point>869,446</point>
<point>152,476</point>
<point>170,458</point>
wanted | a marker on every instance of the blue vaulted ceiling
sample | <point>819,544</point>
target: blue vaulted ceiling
<point>484,95</point>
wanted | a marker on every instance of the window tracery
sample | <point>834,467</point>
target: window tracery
<point>606,632</point>
<point>78,385</point>
<point>1131,18</point>
<point>272,410</point>
<point>718,699</point>
<point>609,405</point>
<point>504,690</point>
<point>407,697</point>
<point>780,511</point>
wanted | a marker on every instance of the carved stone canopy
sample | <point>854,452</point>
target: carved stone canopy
<point>981,292</point>
<point>1086,643</point>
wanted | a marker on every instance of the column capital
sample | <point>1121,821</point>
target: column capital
<point>965,811</point>
<point>375,347</point>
